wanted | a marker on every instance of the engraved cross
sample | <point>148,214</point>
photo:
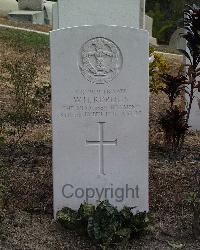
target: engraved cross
<point>101,143</point>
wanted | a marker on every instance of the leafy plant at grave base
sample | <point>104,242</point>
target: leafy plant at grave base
<point>85,212</point>
<point>68,218</point>
<point>156,69</point>
<point>105,224</point>
<point>174,121</point>
<point>26,98</point>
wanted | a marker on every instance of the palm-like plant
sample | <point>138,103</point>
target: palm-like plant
<point>192,36</point>
<point>173,86</point>
<point>175,122</point>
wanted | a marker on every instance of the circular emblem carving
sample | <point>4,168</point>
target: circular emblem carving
<point>100,60</point>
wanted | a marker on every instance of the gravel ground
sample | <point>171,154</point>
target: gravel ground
<point>28,220</point>
<point>27,174</point>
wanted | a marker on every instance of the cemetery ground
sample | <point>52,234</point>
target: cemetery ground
<point>26,171</point>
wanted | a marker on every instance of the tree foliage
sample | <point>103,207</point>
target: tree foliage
<point>167,15</point>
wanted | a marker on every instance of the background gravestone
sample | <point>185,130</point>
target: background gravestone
<point>6,6</point>
<point>149,28</point>
<point>35,5</point>
<point>37,12</point>
<point>149,25</point>
<point>100,116</point>
<point>108,12</point>
<point>29,10</point>
<point>55,19</point>
<point>142,14</point>
<point>36,17</point>
<point>176,41</point>
<point>49,8</point>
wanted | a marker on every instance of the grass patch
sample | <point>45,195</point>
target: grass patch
<point>21,38</point>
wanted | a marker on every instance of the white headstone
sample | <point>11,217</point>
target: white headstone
<point>92,12</point>
<point>49,7</point>
<point>176,40</point>
<point>100,116</point>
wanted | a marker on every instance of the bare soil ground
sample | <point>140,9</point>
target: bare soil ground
<point>27,174</point>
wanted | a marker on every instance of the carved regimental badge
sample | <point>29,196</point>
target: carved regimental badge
<point>100,60</point>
